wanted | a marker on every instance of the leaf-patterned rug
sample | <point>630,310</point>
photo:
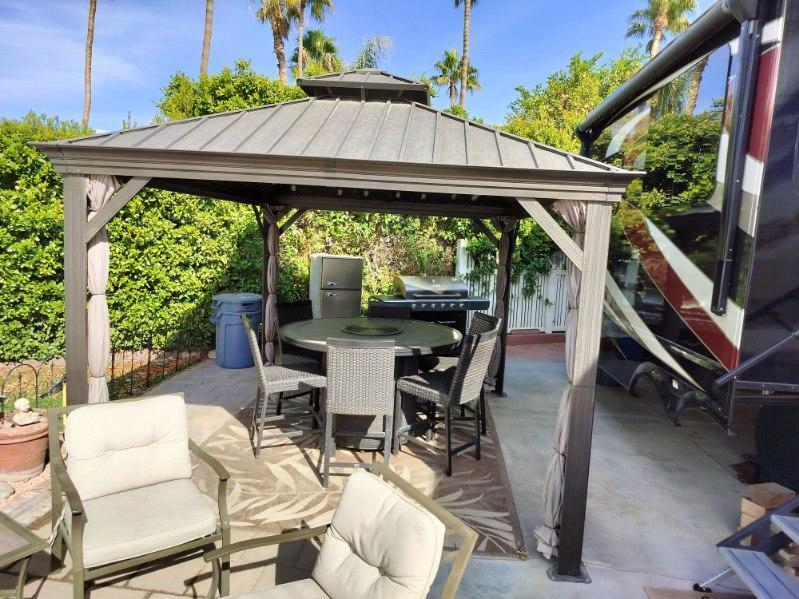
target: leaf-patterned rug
<point>281,490</point>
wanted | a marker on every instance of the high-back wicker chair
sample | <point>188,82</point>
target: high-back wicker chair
<point>296,358</point>
<point>360,382</point>
<point>481,323</point>
<point>272,380</point>
<point>388,310</point>
<point>455,387</point>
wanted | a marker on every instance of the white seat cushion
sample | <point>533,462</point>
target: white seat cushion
<point>298,589</point>
<point>145,520</point>
<point>118,446</point>
<point>379,544</point>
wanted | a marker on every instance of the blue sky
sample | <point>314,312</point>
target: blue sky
<point>140,43</point>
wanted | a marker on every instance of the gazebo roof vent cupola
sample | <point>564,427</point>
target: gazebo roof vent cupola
<point>366,84</point>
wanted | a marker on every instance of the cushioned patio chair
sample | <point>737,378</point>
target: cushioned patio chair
<point>124,496</point>
<point>360,382</point>
<point>272,381</point>
<point>385,541</point>
<point>452,388</point>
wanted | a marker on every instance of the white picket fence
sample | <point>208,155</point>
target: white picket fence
<point>544,311</point>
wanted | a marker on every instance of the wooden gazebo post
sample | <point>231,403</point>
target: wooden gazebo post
<point>578,452</point>
<point>75,287</point>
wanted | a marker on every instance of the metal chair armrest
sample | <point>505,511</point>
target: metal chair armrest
<point>295,535</point>
<point>58,467</point>
<point>215,464</point>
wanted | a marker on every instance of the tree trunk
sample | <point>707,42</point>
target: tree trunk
<point>453,92</point>
<point>300,32</point>
<point>280,53</point>
<point>87,72</point>
<point>467,17</point>
<point>209,23</point>
<point>658,30</point>
<point>693,86</point>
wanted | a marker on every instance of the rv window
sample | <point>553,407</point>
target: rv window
<point>679,136</point>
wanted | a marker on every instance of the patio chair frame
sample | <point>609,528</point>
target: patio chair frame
<point>459,557</point>
<point>62,485</point>
<point>281,379</point>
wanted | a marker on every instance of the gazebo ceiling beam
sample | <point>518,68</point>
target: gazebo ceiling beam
<point>589,186</point>
<point>485,230</point>
<point>555,232</point>
<point>114,205</point>
<point>295,216</point>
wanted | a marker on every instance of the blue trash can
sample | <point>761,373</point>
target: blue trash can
<point>232,346</point>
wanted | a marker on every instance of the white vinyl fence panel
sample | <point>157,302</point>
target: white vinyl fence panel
<point>544,311</point>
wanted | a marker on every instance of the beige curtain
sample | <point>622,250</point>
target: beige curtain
<point>505,225</point>
<point>99,189</point>
<point>271,216</point>
<point>573,213</point>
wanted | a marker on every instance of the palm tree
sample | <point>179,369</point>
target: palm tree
<point>449,75</point>
<point>375,48</point>
<point>87,67</point>
<point>467,23</point>
<point>320,50</point>
<point>658,18</point>
<point>318,8</point>
<point>693,85</point>
<point>276,13</point>
<point>209,23</point>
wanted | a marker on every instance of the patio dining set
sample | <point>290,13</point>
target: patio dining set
<point>374,381</point>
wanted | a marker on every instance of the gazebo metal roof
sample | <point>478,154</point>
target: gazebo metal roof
<point>299,150</point>
<point>366,84</point>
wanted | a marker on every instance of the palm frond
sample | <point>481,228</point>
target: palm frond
<point>375,48</point>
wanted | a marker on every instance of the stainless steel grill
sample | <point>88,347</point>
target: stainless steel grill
<point>436,299</point>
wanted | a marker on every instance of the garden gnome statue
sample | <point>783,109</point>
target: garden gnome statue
<point>23,415</point>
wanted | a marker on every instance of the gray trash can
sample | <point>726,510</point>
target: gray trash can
<point>232,346</point>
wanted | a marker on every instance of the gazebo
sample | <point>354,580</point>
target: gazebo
<point>362,141</point>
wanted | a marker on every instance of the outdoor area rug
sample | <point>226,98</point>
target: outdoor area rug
<point>282,489</point>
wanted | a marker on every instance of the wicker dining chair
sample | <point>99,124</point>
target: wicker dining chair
<point>297,358</point>
<point>388,310</point>
<point>453,388</point>
<point>360,382</point>
<point>273,380</point>
<point>481,323</point>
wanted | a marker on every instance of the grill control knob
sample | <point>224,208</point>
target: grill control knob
<point>413,306</point>
<point>461,306</point>
<point>424,306</point>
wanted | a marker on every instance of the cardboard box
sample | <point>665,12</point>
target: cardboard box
<point>750,512</point>
<point>769,495</point>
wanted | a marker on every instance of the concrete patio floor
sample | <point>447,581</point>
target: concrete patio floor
<point>660,497</point>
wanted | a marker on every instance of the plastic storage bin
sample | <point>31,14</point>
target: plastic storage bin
<point>232,346</point>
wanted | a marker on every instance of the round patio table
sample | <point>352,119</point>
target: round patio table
<point>415,338</point>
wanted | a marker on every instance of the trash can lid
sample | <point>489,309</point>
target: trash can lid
<point>237,298</point>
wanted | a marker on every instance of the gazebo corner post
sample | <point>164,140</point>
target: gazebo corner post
<point>268,217</point>
<point>578,452</point>
<point>509,230</point>
<point>75,289</point>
